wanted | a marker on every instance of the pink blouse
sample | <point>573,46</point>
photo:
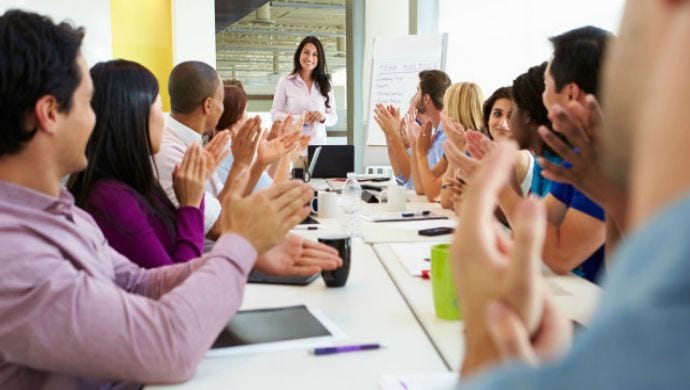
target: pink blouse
<point>294,97</point>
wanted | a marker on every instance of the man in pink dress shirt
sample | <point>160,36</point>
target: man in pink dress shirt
<point>74,313</point>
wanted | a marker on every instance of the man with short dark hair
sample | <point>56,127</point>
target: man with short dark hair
<point>196,97</point>
<point>196,100</point>
<point>428,104</point>
<point>192,82</point>
<point>74,313</point>
<point>427,164</point>
<point>571,75</point>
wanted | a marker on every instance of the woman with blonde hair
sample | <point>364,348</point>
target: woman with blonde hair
<point>462,104</point>
<point>462,107</point>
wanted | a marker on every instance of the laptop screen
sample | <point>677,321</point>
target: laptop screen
<point>331,160</point>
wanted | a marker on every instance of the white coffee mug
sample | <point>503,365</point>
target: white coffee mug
<point>327,204</point>
<point>397,197</point>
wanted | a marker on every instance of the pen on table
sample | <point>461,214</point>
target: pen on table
<point>345,348</point>
<point>298,227</point>
<point>415,214</point>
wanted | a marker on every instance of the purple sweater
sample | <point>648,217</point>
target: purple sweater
<point>139,234</point>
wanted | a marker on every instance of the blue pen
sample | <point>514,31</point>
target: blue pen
<point>345,348</point>
<point>417,214</point>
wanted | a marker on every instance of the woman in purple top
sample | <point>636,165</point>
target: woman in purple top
<point>119,187</point>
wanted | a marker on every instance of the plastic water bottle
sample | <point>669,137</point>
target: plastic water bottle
<point>351,203</point>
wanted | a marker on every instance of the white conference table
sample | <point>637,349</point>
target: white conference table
<point>403,231</point>
<point>380,303</point>
<point>368,309</point>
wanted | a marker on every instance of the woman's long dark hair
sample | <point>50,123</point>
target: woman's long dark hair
<point>120,147</point>
<point>500,93</point>
<point>321,76</point>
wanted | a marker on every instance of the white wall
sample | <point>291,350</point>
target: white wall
<point>492,42</point>
<point>194,36</point>
<point>194,31</point>
<point>383,18</point>
<point>93,15</point>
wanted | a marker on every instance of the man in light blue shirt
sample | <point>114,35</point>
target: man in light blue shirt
<point>265,180</point>
<point>427,103</point>
<point>426,158</point>
<point>639,336</point>
<point>434,156</point>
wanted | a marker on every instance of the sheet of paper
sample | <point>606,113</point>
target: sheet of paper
<point>427,224</point>
<point>414,256</point>
<point>414,267</point>
<point>397,216</point>
<point>440,381</point>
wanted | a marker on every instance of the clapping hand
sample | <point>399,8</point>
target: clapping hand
<point>514,307</point>
<point>311,117</point>
<point>479,145</point>
<point>580,124</point>
<point>455,132</point>
<point>189,178</point>
<point>424,140</point>
<point>264,217</point>
<point>270,151</point>
<point>302,144</point>
<point>297,256</point>
<point>388,119</point>
<point>245,142</point>
<point>216,151</point>
<point>468,165</point>
<point>412,128</point>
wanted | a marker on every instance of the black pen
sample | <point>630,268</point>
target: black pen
<point>415,214</point>
<point>311,227</point>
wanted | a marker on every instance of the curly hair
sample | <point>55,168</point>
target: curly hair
<point>527,91</point>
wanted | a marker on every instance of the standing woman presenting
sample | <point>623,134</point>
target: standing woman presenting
<point>307,92</point>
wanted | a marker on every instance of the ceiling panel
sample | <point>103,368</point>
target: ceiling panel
<point>259,44</point>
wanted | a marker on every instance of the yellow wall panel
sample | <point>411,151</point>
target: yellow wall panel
<point>142,32</point>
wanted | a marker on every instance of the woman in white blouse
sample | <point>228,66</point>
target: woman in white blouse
<point>307,92</point>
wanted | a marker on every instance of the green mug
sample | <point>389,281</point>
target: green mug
<point>445,298</point>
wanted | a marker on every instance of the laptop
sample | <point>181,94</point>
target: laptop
<point>326,161</point>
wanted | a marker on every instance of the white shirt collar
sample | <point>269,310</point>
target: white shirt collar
<point>184,133</point>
